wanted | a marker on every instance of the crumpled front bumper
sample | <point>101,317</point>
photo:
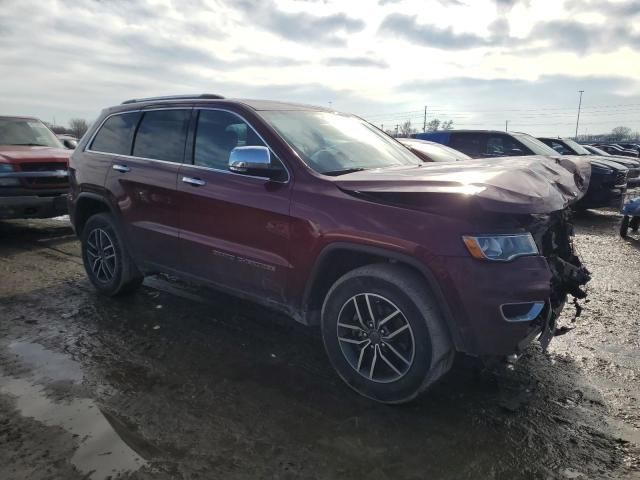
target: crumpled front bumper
<point>478,291</point>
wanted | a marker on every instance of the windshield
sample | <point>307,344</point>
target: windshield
<point>576,147</point>
<point>333,144</point>
<point>535,145</point>
<point>436,153</point>
<point>24,131</point>
<point>597,151</point>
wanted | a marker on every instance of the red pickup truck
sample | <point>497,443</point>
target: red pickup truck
<point>34,177</point>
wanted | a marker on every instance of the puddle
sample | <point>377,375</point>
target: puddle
<point>47,364</point>
<point>102,451</point>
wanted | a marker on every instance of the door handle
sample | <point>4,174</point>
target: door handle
<point>194,181</point>
<point>121,168</point>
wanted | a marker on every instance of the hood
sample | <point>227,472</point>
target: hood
<point>28,154</point>
<point>523,185</point>
<point>625,161</point>
<point>610,164</point>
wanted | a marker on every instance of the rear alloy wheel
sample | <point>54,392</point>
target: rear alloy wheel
<point>106,259</point>
<point>384,333</point>
<point>101,253</point>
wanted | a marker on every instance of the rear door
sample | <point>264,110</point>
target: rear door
<point>234,227</point>
<point>143,184</point>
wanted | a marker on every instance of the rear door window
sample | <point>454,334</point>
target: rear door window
<point>162,135</point>
<point>116,134</point>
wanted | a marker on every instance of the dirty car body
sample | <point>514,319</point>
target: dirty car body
<point>33,170</point>
<point>324,219</point>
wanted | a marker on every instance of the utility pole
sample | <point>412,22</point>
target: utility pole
<point>506,125</point>
<point>397,127</point>
<point>424,125</point>
<point>579,106</point>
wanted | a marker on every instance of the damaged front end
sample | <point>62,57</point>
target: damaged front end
<point>553,234</point>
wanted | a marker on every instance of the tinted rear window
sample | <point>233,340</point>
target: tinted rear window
<point>162,135</point>
<point>116,134</point>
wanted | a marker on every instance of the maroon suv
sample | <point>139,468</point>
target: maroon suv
<point>33,170</point>
<point>323,216</point>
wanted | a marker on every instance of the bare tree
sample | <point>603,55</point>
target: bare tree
<point>406,129</point>
<point>78,127</point>
<point>437,124</point>
<point>433,125</point>
<point>621,133</point>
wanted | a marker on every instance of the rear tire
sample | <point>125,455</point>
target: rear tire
<point>406,341</point>
<point>106,259</point>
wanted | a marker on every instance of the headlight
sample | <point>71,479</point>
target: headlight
<point>6,167</point>
<point>500,248</point>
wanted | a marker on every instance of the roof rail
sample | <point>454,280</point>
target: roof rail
<point>210,96</point>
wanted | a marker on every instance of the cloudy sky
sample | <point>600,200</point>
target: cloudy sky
<point>475,62</point>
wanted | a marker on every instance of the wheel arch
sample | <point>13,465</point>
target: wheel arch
<point>88,204</point>
<point>338,258</point>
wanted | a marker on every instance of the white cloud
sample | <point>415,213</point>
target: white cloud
<point>69,58</point>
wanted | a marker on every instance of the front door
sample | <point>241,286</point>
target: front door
<point>234,228</point>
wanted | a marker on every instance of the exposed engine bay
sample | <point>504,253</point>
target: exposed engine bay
<point>553,233</point>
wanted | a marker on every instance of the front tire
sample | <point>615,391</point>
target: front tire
<point>384,333</point>
<point>106,259</point>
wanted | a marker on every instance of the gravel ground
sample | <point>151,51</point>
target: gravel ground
<point>180,382</point>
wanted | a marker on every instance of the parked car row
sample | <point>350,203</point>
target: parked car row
<point>620,149</point>
<point>610,175</point>
<point>401,262</point>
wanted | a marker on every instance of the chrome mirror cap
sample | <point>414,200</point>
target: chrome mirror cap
<point>250,160</point>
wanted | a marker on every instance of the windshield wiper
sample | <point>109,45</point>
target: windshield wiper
<point>335,173</point>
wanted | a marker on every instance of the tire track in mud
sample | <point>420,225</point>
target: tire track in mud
<point>226,389</point>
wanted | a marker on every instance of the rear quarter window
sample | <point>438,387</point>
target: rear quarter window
<point>116,134</point>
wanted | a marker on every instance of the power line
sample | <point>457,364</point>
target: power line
<point>436,109</point>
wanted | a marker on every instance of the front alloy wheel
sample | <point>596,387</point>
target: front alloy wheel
<point>384,333</point>
<point>375,338</point>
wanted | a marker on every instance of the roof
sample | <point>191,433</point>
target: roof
<point>206,99</point>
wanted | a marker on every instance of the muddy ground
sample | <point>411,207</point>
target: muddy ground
<point>180,382</point>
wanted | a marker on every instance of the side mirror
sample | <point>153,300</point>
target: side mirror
<point>70,144</point>
<point>251,161</point>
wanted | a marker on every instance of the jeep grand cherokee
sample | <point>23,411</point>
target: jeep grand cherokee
<point>321,215</point>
